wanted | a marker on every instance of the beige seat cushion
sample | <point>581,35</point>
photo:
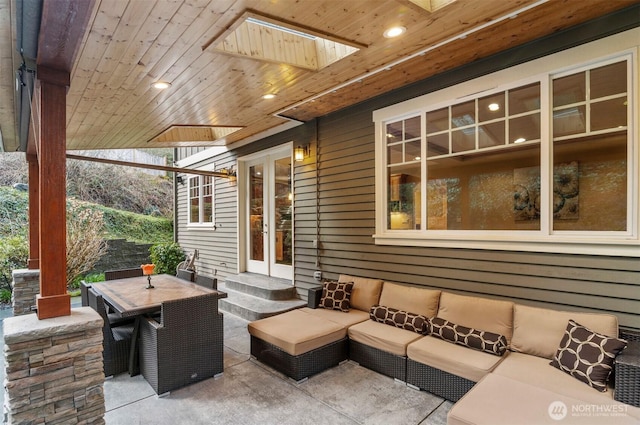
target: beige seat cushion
<point>365,292</point>
<point>499,400</point>
<point>297,332</point>
<point>410,298</point>
<point>538,331</point>
<point>537,371</point>
<point>383,337</point>
<point>478,313</point>
<point>342,318</point>
<point>456,359</point>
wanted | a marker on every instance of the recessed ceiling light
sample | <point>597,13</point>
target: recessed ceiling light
<point>161,85</point>
<point>394,32</point>
<point>520,140</point>
<point>494,107</point>
<point>269,96</point>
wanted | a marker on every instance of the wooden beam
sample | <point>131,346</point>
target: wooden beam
<point>64,23</point>
<point>53,300</point>
<point>62,28</point>
<point>34,213</point>
<point>153,166</point>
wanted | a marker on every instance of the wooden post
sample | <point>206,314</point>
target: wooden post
<point>53,300</point>
<point>34,212</point>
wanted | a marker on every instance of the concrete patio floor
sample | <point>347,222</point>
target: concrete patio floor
<point>249,392</point>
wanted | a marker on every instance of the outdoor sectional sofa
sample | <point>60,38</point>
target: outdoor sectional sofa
<point>491,357</point>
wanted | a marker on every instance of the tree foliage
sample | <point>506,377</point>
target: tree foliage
<point>85,241</point>
<point>114,186</point>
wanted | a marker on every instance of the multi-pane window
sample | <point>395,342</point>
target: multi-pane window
<point>549,157</point>
<point>590,133</point>
<point>200,199</point>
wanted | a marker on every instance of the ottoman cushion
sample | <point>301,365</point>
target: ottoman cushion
<point>297,332</point>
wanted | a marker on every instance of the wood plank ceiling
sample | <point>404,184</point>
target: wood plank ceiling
<point>131,44</point>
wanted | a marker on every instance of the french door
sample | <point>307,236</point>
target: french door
<point>268,223</point>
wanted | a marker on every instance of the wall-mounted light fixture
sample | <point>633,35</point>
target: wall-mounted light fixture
<point>300,153</point>
<point>180,179</point>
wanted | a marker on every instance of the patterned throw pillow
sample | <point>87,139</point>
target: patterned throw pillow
<point>398,318</point>
<point>336,295</point>
<point>587,355</point>
<point>488,342</point>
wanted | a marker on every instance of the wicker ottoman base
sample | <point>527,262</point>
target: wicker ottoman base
<point>436,381</point>
<point>301,366</point>
<point>378,360</point>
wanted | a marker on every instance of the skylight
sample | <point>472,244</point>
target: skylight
<point>262,38</point>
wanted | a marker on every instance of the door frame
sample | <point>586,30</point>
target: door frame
<point>283,150</point>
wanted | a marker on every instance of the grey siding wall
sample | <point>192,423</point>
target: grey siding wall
<point>335,203</point>
<point>347,221</point>
<point>218,248</point>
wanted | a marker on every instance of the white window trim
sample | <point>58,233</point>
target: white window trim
<point>201,224</point>
<point>625,243</point>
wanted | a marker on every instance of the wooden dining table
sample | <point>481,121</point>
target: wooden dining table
<point>131,297</point>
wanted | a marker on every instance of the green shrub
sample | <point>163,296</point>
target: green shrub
<point>13,212</point>
<point>166,257</point>
<point>14,253</point>
<point>5,296</point>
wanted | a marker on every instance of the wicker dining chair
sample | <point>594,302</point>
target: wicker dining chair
<point>207,282</point>
<point>84,293</point>
<point>186,274</point>
<point>186,346</point>
<point>123,273</point>
<point>116,339</point>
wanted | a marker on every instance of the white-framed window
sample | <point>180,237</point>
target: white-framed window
<point>545,163</point>
<point>200,200</point>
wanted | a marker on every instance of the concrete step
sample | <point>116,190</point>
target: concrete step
<point>269,288</point>
<point>251,307</point>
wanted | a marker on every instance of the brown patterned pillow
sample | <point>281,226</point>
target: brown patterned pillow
<point>336,295</point>
<point>488,342</point>
<point>398,318</point>
<point>586,355</point>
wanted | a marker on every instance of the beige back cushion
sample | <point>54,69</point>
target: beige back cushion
<point>538,331</point>
<point>479,313</point>
<point>365,292</point>
<point>410,298</point>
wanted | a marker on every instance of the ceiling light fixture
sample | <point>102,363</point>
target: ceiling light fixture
<point>394,32</point>
<point>269,96</point>
<point>160,85</point>
<point>494,107</point>
<point>520,140</point>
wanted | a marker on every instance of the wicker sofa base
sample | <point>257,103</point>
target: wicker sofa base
<point>436,381</point>
<point>304,365</point>
<point>378,360</point>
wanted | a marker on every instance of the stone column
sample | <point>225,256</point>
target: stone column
<point>26,285</point>
<point>54,371</point>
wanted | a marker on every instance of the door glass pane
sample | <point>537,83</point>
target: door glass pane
<point>282,210</point>
<point>256,240</point>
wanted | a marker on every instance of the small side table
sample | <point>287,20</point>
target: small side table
<point>627,374</point>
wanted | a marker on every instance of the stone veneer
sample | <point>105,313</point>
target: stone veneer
<point>26,285</point>
<point>54,371</point>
